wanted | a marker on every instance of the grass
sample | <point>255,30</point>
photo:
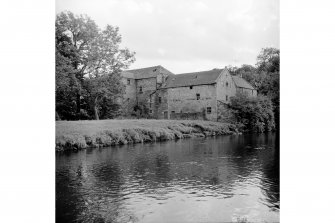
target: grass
<point>73,135</point>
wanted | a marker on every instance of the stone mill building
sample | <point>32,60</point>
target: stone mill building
<point>196,95</point>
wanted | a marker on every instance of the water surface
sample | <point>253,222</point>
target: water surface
<point>221,179</point>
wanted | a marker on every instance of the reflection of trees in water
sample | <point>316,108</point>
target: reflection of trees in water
<point>93,194</point>
<point>68,198</point>
<point>70,172</point>
<point>271,179</point>
<point>271,185</point>
<point>260,153</point>
<point>103,200</point>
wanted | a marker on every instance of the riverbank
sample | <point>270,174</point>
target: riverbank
<point>74,135</point>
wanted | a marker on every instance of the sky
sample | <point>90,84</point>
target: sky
<point>187,35</point>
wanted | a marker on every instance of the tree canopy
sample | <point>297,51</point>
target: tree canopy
<point>88,65</point>
<point>264,76</point>
<point>255,114</point>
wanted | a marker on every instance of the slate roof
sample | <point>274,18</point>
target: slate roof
<point>128,74</point>
<point>191,79</point>
<point>240,82</point>
<point>147,72</point>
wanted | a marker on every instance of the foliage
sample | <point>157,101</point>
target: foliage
<point>256,114</point>
<point>268,60</point>
<point>141,110</point>
<point>264,76</point>
<point>104,92</point>
<point>232,69</point>
<point>87,60</point>
<point>66,88</point>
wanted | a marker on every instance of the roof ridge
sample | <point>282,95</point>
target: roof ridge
<point>144,68</point>
<point>198,72</point>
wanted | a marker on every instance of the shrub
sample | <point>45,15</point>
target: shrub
<point>253,114</point>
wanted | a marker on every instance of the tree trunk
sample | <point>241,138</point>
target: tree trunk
<point>96,112</point>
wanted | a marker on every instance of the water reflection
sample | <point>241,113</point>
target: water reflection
<point>213,179</point>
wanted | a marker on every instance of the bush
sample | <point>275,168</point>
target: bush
<point>254,114</point>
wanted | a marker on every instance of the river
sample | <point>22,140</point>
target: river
<point>218,179</point>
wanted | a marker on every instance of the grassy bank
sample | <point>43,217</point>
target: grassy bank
<point>73,135</point>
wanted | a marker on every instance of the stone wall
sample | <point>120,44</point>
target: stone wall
<point>184,100</point>
<point>162,76</point>
<point>129,97</point>
<point>225,87</point>
<point>148,86</point>
<point>159,104</point>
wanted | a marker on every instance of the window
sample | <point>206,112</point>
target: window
<point>226,97</point>
<point>198,96</point>
<point>209,110</point>
<point>128,81</point>
<point>227,84</point>
<point>141,90</point>
<point>128,99</point>
<point>159,100</point>
<point>150,111</point>
<point>191,87</point>
<point>173,112</point>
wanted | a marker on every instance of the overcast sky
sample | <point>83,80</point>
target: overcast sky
<point>187,35</point>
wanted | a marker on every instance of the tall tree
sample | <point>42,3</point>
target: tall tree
<point>264,76</point>
<point>93,52</point>
<point>105,89</point>
<point>66,88</point>
<point>268,66</point>
<point>268,60</point>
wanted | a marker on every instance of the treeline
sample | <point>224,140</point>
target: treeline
<point>262,113</point>
<point>89,61</point>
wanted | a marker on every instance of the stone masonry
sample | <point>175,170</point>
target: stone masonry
<point>198,95</point>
